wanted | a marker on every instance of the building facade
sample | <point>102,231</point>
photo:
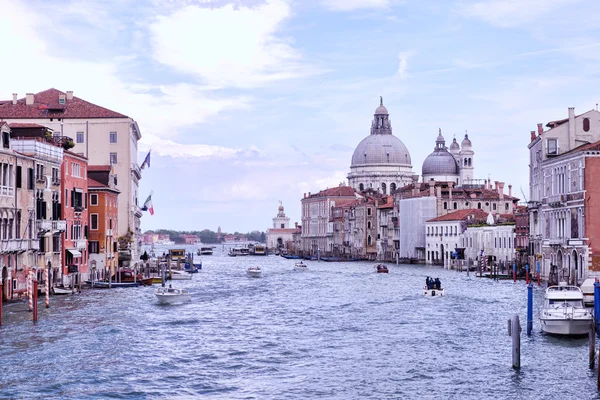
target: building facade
<point>280,236</point>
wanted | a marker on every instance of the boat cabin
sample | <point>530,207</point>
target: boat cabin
<point>177,254</point>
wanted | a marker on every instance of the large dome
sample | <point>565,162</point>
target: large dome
<point>380,149</point>
<point>440,163</point>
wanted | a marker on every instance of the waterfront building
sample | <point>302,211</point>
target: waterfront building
<point>410,237</point>
<point>341,214</point>
<point>19,243</point>
<point>491,239</point>
<point>103,222</point>
<point>102,135</point>
<point>280,236</point>
<point>191,239</point>
<point>522,248</point>
<point>37,142</point>
<point>75,213</point>
<point>380,161</point>
<point>317,230</point>
<point>386,220</point>
<point>563,196</point>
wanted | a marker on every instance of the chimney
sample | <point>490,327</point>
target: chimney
<point>532,136</point>
<point>304,195</point>
<point>501,190</point>
<point>510,190</point>
<point>62,98</point>
<point>571,135</point>
<point>489,184</point>
<point>540,129</point>
<point>14,98</point>
<point>431,187</point>
<point>29,99</point>
<point>69,95</point>
<point>496,185</point>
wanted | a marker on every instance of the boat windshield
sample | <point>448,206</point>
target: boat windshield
<point>567,302</point>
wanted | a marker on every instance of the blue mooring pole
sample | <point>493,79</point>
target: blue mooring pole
<point>597,305</point>
<point>529,308</point>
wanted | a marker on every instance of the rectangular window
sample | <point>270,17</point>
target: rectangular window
<point>93,199</point>
<point>30,181</point>
<point>552,147</point>
<point>19,178</point>
<point>94,222</point>
<point>93,247</point>
<point>56,243</point>
<point>113,137</point>
<point>5,140</point>
<point>76,170</point>
<point>113,158</point>
<point>79,137</point>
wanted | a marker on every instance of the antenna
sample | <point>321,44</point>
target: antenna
<point>523,193</point>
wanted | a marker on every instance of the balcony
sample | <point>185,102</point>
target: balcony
<point>81,244</point>
<point>59,226</point>
<point>19,245</point>
<point>137,212</point>
<point>43,226</point>
<point>135,169</point>
<point>6,191</point>
<point>40,178</point>
<point>557,242</point>
<point>109,232</point>
<point>533,205</point>
<point>557,200</point>
<point>55,181</point>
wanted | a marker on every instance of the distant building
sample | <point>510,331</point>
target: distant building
<point>280,235</point>
<point>191,239</point>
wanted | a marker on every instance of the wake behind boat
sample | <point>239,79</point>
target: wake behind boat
<point>300,266</point>
<point>563,312</point>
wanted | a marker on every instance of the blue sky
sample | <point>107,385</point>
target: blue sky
<point>245,103</point>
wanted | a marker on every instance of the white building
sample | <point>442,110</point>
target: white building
<point>280,235</point>
<point>456,165</point>
<point>381,161</point>
<point>412,214</point>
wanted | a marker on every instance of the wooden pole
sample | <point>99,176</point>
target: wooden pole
<point>1,298</point>
<point>35,300</point>
<point>592,344</point>
<point>516,342</point>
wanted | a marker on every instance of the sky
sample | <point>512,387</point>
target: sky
<point>245,103</point>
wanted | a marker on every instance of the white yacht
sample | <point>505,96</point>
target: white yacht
<point>563,312</point>
<point>300,266</point>
<point>254,272</point>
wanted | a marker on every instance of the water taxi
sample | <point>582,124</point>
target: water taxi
<point>563,311</point>
<point>172,296</point>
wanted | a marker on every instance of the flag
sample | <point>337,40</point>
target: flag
<point>146,161</point>
<point>148,204</point>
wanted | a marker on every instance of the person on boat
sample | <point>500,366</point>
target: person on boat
<point>427,282</point>
<point>438,283</point>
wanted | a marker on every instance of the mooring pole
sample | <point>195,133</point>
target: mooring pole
<point>1,298</point>
<point>539,270</point>
<point>516,342</point>
<point>529,308</point>
<point>596,304</point>
<point>592,344</point>
<point>514,272</point>
<point>47,287</point>
<point>527,273</point>
<point>35,300</point>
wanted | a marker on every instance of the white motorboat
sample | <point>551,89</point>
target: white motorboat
<point>177,275</point>
<point>172,296</point>
<point>432,292</point>
<point>254,272</point>
<point>300,266</point>
<point>63,290</point>
<point>587,288</point>
<point>563,312</point>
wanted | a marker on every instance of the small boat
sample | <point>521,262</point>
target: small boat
<point>382,269</point>
<point>291,257</point>
<point>339,259</point>
<point>57,290</point>
<point>180,275</point>
<point>254,272</point>
<point>432,292</point>
<point>587,288</point>
<point>205,251</point>
<point>172,296</point>
<point>300,266</point>
<point>147,281</point>
<point>563,312</point>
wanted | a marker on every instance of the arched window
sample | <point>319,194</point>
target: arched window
<point>392,187</point>
<point>368,224</point>
<point>469,162</point>
<point>446,230</point>
<point>506,206</point>
<point>361,187</point>
<point>467,204</point>
<point>586,124</point>
<point>494,206</point>
<point>436,230</point>
<point>383,188</point>
<point>479,205</point>
<point>445,206</point>
<point>455,205</point>
<point>369,240</point>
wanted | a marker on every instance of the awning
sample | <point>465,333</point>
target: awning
<point>74,252</point>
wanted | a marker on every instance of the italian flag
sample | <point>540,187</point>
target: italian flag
<point>148,204</point>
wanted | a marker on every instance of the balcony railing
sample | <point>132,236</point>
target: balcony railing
<point>43,225</point>
<point>109,232</point>
<point>40,177</point>
<point>136,170</point>
<point>19,245</point>
<point>6,191</point>
<point>557,241</point>
<point>81,243</point>
<point>56,181</point>
<point>557,200</point>
<point>59,226</point>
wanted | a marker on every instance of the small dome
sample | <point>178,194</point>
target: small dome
<point>381,110</point>
<point>440,163</point>
<point>466,141</point>
<point>454,146</point>
<point>380,149</point>
<point>280,208</point>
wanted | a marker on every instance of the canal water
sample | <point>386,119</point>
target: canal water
<point>335,331</point>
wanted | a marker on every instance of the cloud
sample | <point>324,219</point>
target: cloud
<point>350,5</point>
<point>228,46</point>
<point>508,13</point>
<point>166,147</point>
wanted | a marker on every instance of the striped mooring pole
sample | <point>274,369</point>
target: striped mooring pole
<point>47,281</point>
<point>1,298</point>
<point>30,290</point>
<point>35,300</point>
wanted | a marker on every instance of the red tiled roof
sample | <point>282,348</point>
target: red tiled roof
<point>46,105</point>
<point>98,167</point>
<point>461,215</point>
<point>95,184</point>
<point>24,125</point>
<point>336,191</point>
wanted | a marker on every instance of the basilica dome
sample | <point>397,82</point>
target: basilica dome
<point>440,163</point>
<point>380,149</point>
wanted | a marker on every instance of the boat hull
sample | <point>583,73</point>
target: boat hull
<point>103,284</point>
<point>172,296</point>
<point>181,277</point>
<point>63,291</point>
<point>433,292</point>
<point>254,273</point>
<point>573,327</point>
